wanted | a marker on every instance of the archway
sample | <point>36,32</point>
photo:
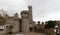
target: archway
<point>9,28</point>
<point>31,29</point>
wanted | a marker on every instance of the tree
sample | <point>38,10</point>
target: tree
<point>51,24</point>
<point>2,20</point>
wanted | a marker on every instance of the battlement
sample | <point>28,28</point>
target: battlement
<point>24,12</point>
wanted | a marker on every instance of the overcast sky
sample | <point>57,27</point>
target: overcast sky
<point>43,10</point>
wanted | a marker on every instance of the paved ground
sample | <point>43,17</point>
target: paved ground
<point>31,33</point>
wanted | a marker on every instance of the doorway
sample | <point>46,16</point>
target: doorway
<point>31,29</point>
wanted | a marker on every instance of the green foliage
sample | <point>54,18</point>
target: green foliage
<point>51,24</point>
<point>2,20</point>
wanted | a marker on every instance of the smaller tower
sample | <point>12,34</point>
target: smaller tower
<point>16,24</point>
<point>16,15</point>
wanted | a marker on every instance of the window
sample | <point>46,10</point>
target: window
<point>1,28</point>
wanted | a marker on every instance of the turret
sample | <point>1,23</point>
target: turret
<point>30,13</point>
<point>16,15</point>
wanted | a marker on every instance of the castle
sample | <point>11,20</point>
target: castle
<point>25,24</point>
<point>14,24</point>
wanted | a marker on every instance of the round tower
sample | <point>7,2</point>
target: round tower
<point>25,21</point>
